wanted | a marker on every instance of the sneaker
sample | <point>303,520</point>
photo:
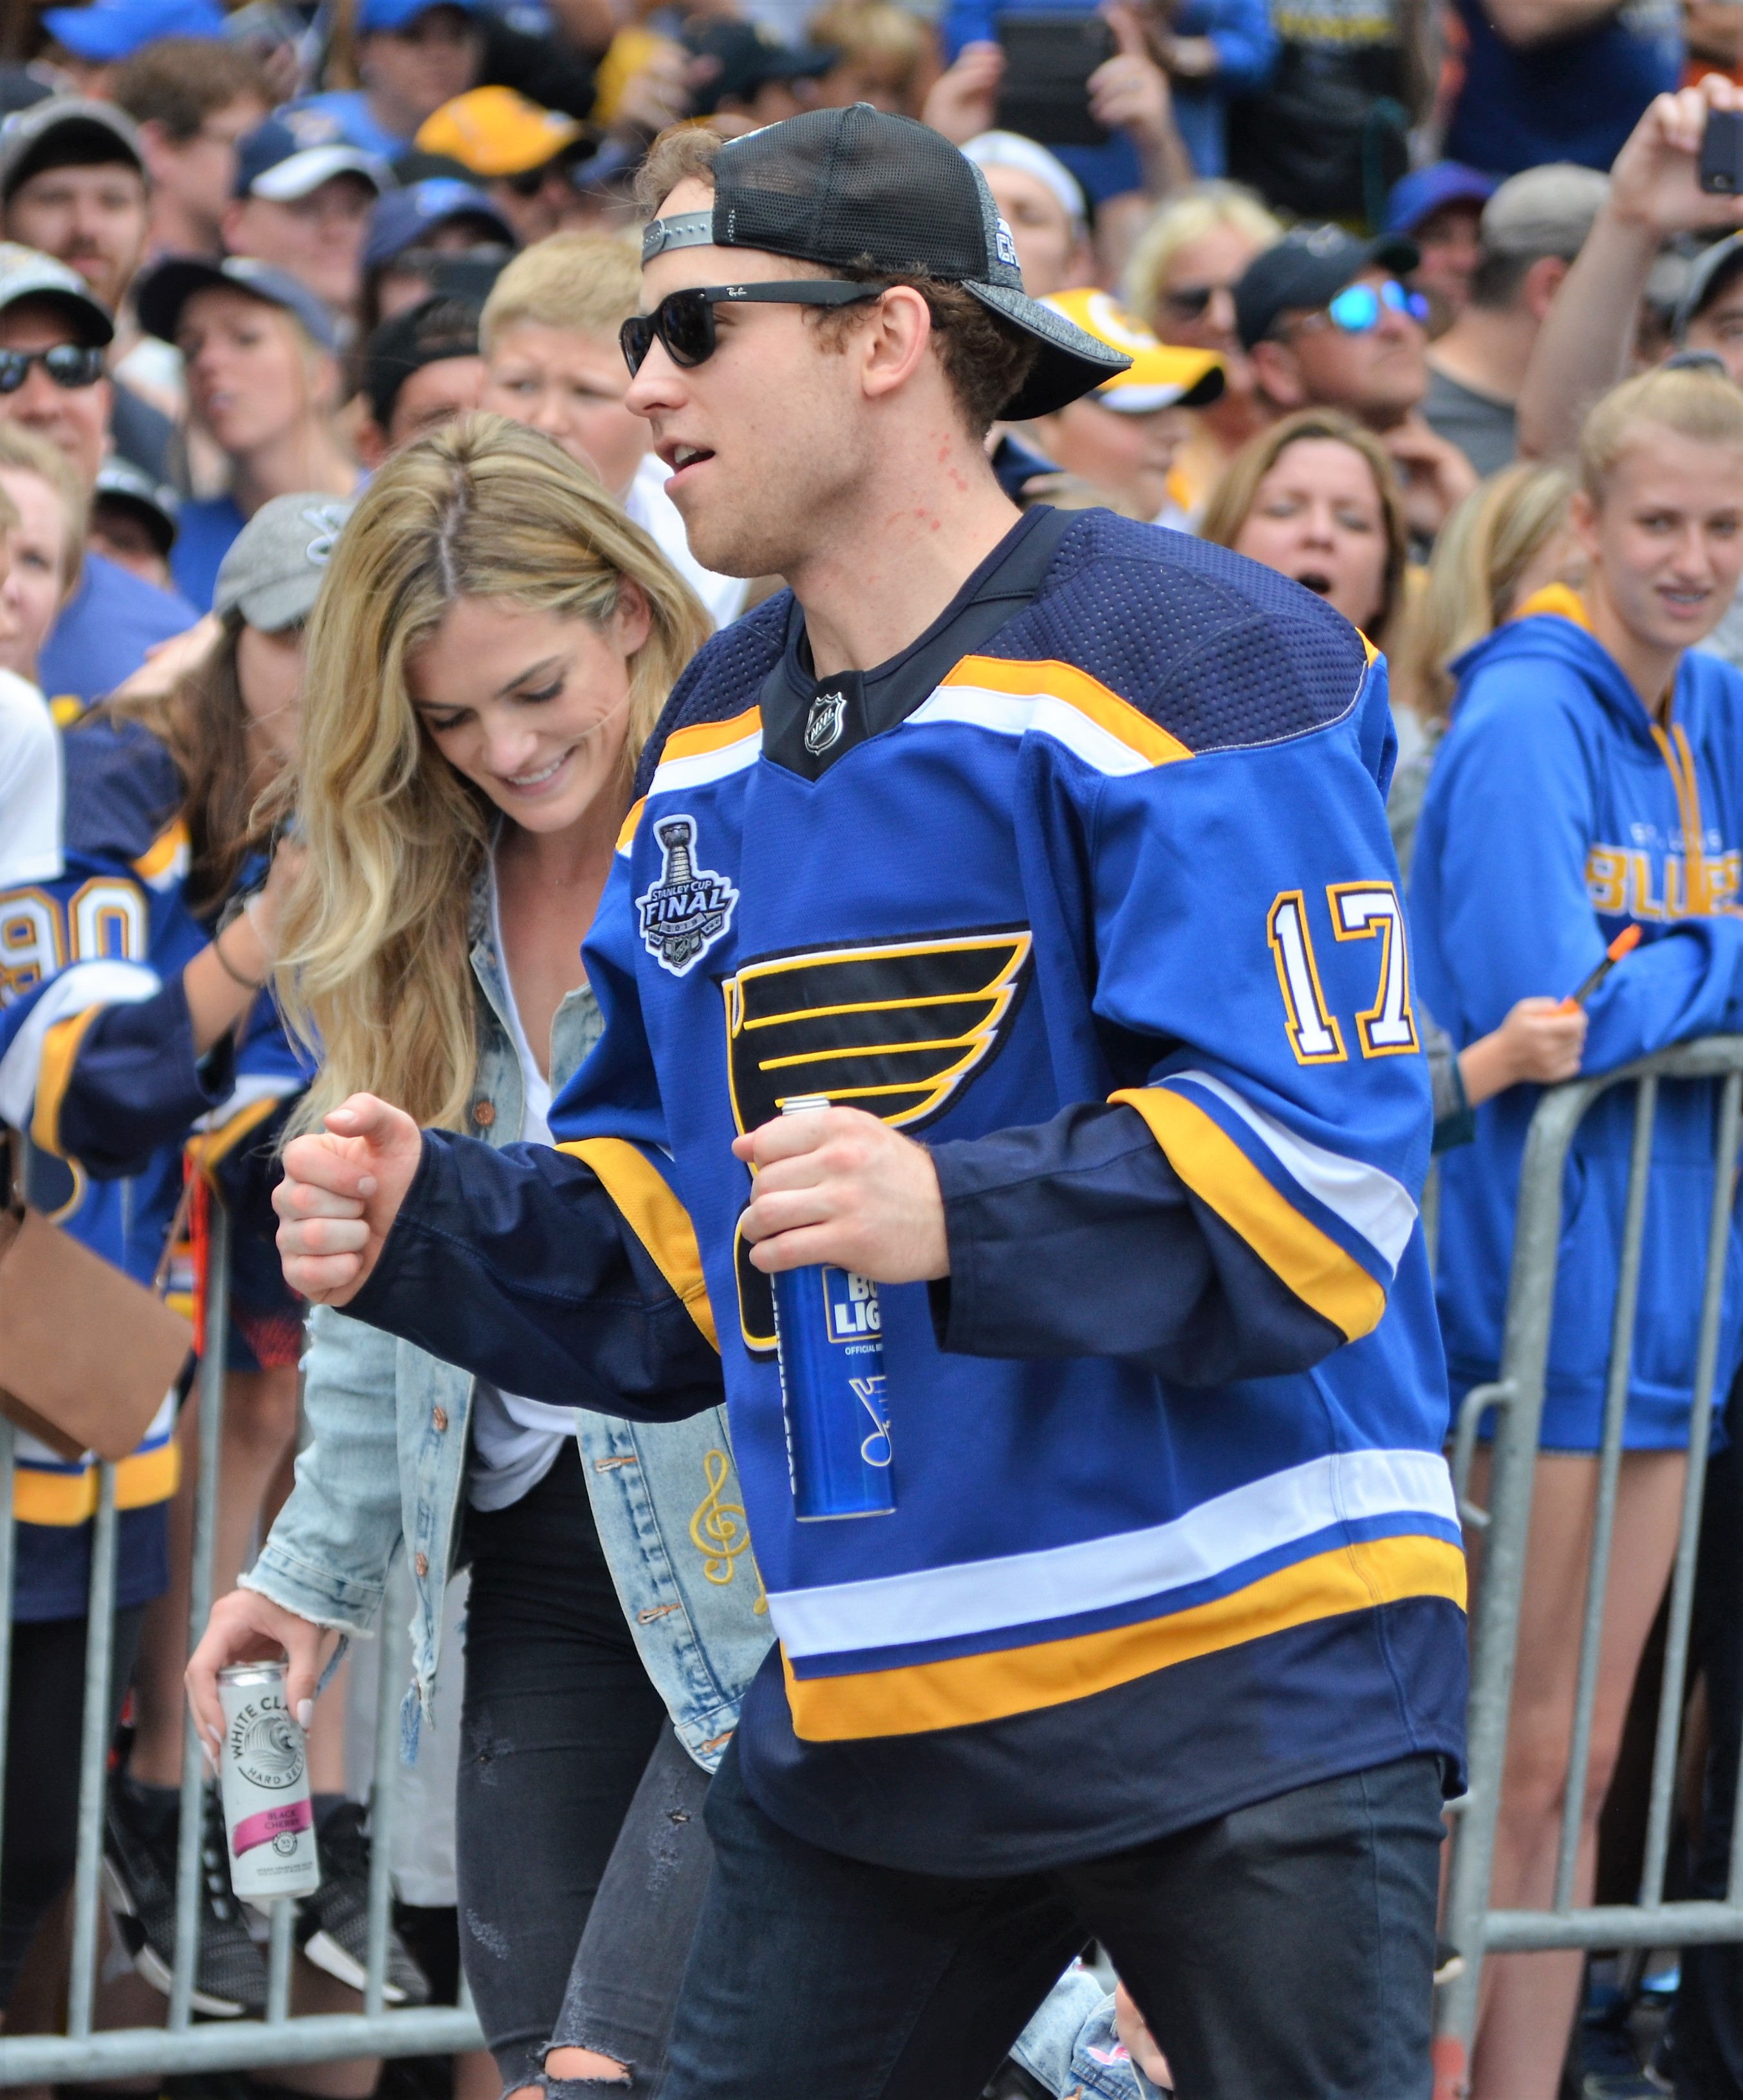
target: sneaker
<point>333,1924</point>
<point>139,1879</point>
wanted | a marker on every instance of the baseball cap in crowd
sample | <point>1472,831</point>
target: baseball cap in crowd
<point>273,162</point>
<point>492,131</point>
<point>1544,211</point>
<point>1160,375</point>
<point>123,486</point>
<point>165,290</point>
<point>856,189</point>
<point>115,29</point>
<point>375,15</point>
<point>738,57</point>
<point>1010,149</point>
<point>66,131</point>
<point>26,273</point>
<point>271,574</point>
<point>1420,195</point>
<point>428,333</point>
<point>403,217</point>
<point>1307,268</point>
<point>1709,274</point>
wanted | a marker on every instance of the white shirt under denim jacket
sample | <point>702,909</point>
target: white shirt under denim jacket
<point>665,1495</point>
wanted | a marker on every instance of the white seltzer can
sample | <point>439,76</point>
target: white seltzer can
<point>265,1777</point>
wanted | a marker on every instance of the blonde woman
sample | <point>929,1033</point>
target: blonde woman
<point>1592,780</point>
<point>493,643</point>
<point>1180,282</point>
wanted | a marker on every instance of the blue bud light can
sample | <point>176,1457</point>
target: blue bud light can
<point>829,1327</point>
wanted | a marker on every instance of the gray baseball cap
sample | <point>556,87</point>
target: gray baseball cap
<point>271,574</point>
<point>67,131</point>
<point>27,273</point>
<point>1709,274</point>
<point>1544,211</point>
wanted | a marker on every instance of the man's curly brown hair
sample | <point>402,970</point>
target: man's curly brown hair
<point>985,360</point>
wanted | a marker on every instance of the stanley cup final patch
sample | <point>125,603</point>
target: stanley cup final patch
<point>689,908</point>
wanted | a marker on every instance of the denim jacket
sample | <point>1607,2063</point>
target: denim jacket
<point>665,1496</point>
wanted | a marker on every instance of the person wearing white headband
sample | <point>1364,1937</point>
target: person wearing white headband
<point>1042,202</point>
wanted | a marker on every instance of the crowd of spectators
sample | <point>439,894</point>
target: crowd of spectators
<point>1372,263</point>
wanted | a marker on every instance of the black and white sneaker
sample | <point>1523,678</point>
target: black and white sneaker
<point>333,1924</point>
<point>139,1879</point>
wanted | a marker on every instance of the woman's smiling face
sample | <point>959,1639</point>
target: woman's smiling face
<point>531,706</point>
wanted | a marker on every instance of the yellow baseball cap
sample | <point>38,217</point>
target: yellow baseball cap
<point>494,131</point>
<point>1160,375</point>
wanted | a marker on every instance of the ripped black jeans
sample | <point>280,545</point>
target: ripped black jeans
<point>581,1852</point>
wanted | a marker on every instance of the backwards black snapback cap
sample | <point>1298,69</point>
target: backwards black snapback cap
<point>855,189</point>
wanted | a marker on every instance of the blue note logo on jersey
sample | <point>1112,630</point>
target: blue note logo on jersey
<point>689,908</point>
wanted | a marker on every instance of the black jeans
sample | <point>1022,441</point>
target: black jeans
<point>1284,1951</point>
<point>581,1847</point>
<point>1706,2020</point>
<point>42,1769</point>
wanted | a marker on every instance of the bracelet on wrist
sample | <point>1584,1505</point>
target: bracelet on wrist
<point>230,971</point>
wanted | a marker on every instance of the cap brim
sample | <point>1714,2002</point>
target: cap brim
<point>100,35</point>
<point>302,173</point>
<point>160,299</point>
<point>96,327</point>
<point>1394,251</point>
<point>1142,400</point>
<point>271,607</point>
<point>1072,362</point>
<point>158,521</point>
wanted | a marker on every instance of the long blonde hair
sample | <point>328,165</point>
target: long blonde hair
<point>1480,554</point>
<point>374,969</point>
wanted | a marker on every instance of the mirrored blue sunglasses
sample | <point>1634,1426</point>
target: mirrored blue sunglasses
<point>1357,308</point>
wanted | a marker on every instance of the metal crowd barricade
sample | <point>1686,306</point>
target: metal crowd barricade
<point>181,2045</point>
<point>1516,1397</point>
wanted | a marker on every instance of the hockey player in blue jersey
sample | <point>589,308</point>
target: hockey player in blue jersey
<point>1052,850</point>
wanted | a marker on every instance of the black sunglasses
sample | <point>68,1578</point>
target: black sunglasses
<point>684,321</point>
<point>67,364</point>
<point>1189,301</point>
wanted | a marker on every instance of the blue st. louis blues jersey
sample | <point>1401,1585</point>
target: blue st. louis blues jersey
<point>1091,892</point>
<point>97,1065</point>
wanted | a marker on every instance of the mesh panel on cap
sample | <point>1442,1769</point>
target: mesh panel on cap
<point>832,186</point>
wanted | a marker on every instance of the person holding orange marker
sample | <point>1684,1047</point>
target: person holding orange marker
<point>1583,829</point>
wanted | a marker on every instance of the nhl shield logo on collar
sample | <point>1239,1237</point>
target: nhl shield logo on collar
<point>822,725</point>
<point>689,908</point>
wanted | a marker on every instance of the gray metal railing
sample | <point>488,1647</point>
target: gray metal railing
<point>1516,1398</point>
<point>181,2044</point>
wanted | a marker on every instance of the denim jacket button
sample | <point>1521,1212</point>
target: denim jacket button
<point>483,1114</point>
<point>421,1564</point>
<point>439,1418</point>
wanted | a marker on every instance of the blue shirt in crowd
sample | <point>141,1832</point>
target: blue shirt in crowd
<point>1576,99</point>
<point>1246,44</point>
<point>348,109</point>
<point>201,542</point>
<point>105,629</point>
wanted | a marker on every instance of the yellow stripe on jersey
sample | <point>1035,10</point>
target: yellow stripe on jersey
<point>60,1053</point>
<point>205,1147</point>
<point>1215,1169</point>
<point>166,855</point>
<point>701,738</point>
<point>1074,689</point>
<point>626,834</point>
<point>61,1499</point>
<point>656,1218</point>
<point>965,1689</point>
